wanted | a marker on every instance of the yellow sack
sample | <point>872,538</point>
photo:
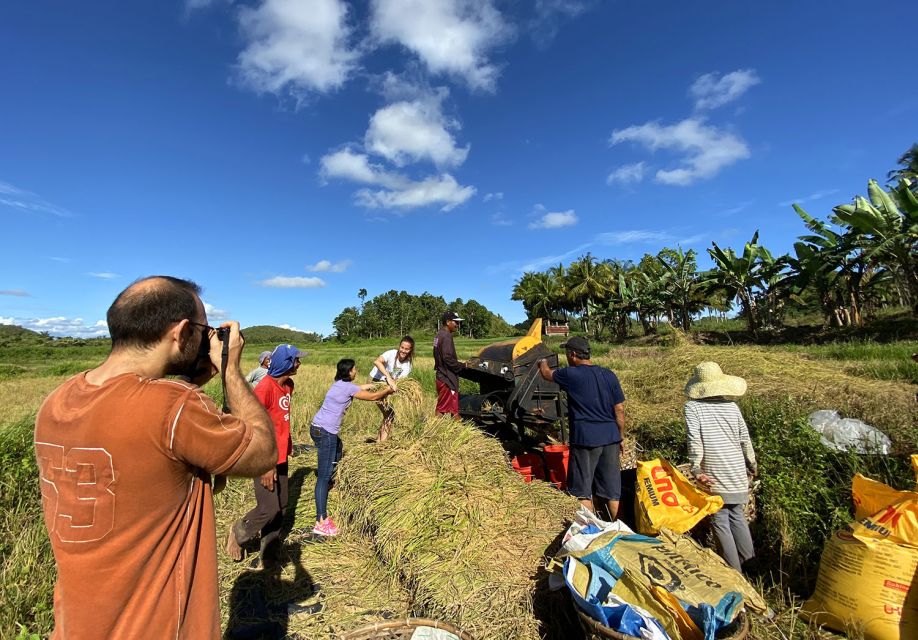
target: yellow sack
<point>868,574</point>
<point>667,499</point>
<point>868,584</point>
<point>677,564</point>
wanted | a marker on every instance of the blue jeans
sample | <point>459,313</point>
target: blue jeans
<point>329,447</point>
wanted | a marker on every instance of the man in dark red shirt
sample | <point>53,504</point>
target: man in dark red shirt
<point>265,519</point>
<point>447,365</point>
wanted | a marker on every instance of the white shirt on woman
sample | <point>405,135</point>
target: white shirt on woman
<point>393,366</point>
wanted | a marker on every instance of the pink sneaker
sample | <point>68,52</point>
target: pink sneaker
<point>326,528</point>
<point>331,527</point>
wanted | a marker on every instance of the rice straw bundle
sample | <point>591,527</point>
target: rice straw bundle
<point>460,529</point>
<point>407,401</point>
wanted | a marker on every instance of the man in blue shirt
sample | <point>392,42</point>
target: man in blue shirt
<point>597,425</point>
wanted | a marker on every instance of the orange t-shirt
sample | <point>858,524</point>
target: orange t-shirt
<point>125,482</point>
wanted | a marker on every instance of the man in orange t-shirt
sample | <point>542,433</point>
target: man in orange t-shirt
<point>126,456</point>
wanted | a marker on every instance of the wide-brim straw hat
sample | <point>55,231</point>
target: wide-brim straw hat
<point>709,381</point>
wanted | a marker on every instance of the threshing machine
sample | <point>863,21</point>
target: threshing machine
<point>514,399</point>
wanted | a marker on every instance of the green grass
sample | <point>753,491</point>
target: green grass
<point>879,361</point>
<point>26,563</point>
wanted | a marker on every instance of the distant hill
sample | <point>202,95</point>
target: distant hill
<point>266,334</point>
<point>11,335</point>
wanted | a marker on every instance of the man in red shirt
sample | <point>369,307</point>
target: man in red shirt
<point>265,519</point>
<point>126,456</point>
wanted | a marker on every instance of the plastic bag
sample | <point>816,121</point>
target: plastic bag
<point>666,499</point>
<point>843,434</point>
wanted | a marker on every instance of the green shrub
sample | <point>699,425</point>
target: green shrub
<point>26,562</point>
<point>805,490</point>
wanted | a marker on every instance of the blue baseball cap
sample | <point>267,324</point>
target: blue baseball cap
<point>282,359</point>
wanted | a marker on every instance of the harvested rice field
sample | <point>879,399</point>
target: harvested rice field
<point>435,523</point>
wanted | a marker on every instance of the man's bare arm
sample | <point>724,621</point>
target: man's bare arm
<point>545,370</point>
<point>261,454</point>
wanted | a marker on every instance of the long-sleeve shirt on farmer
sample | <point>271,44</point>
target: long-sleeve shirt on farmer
<point>719,446</point>
<point>445,361</point>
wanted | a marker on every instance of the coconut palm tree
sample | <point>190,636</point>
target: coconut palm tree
<point>680,285</point>
<point>587,282</point>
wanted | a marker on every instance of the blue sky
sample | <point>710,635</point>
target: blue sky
<point>285,154</point>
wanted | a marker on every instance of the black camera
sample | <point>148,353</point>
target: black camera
<point>223,333</point>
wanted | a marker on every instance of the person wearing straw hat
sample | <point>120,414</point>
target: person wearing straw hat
<point>721,454</point>
<point>595,403</point>
<point>259,372</point>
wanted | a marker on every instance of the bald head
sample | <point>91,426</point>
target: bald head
<point>141,314</point>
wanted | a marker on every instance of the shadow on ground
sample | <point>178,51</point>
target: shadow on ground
<point>263,599</point>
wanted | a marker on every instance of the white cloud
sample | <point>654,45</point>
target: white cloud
<point>59,259</point>
<point>632,236</point>
<point>500,220</point>
<point>329,266</point>
<point>819,195</point>
<point>645,236</point>
<point>196,5</point>
<point>713,90</point>
<point>293,282</point>
<point>289,327</point>
<point>548,16</point>
<point>213,313</point>
<point>627,174</point>
<point>706,148</point>
<point>435,190</point>
<point>15,292</point>
<point>61,326</point>
<point>406,132</point>
<point>296,47</point>
<point>399,192</point>
<point>493,196</point>
<point>554,219</point>
<point>13,197</point>
<point>351,165</point>
<point>103,275</point>
<point>449,36</point>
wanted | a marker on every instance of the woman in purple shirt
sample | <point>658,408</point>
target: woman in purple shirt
<point>324,431</point>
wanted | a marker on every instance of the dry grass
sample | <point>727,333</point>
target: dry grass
<point>21,397</point>
<point>653,379</point>
<point>434,521</point>
<point>458,527</point>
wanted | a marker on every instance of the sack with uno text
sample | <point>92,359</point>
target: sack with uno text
<point>666,499</point>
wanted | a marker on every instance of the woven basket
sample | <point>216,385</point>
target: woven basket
<point>593,630</point>
<point>401,630</point>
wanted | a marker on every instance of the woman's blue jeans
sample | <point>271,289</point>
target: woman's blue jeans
<point>329,448</point>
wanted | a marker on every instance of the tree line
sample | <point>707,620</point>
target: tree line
<point>398,313</point>
<point>862,258</point>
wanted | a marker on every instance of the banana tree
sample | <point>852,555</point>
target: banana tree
<point>834,264</point>
<point>742,277</point>
<point>888,221</point>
